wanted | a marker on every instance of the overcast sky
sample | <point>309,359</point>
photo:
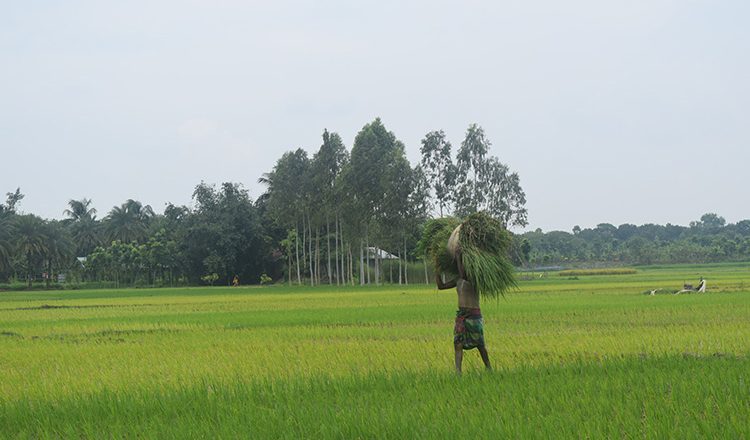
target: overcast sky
<point>618,112</point>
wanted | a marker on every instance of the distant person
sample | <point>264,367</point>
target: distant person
<point>702,285</point>
<point>236,281</point>
<point>468,331</point>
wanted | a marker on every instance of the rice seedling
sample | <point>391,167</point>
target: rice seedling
<point>573,358</point>
<point>609,271</point>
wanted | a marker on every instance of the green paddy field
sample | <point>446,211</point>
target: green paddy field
<point>575,357</point>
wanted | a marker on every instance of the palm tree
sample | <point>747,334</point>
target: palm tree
<point>59,248</point>
<point>31,242</point>
<point>80,211</point>
<point>7,228</point>
<point>83,225</point>
<point>129,222</point>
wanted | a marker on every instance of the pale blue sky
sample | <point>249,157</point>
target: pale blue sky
<point>610,111</point>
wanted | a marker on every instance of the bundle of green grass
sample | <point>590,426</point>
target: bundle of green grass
<point>481,242</point>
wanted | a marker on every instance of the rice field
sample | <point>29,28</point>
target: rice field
<point>592,357</point>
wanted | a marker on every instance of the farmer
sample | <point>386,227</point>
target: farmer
<point>468,332</point>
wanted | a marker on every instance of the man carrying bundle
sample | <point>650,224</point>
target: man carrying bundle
<point>476,256</point>
<point>468,332</point>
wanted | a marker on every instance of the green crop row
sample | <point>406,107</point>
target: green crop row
<point>573,358</point>
<point>612,271</point>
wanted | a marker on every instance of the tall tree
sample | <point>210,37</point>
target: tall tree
<point>12,200</point>
<point>80,210</point>
<point>286,190</point>
<point>129,221</point>
<point>485,184</point>
<point>225,235</point>
<point>471,171</point>
<point>439,168</point>
<point>31,244</point>
<point>59,249</point>
<point>326,168</point>
<point>7,234</point>
<point>506,199</point>
<point>83,226</point>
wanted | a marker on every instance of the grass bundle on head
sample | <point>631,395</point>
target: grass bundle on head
<point>484,244</point>
<point>433,244</point>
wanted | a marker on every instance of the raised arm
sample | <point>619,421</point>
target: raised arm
<point>441,285</point>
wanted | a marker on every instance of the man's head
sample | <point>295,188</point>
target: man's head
<point>454,247</point>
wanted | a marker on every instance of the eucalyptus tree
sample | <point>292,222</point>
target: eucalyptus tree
<point>506,199</point>
<point>485,184</point>
<point>326,167</point>
<point>129,221</point>
<point>438,168</point>
<point>377,158</point>
<point>286,188</point>
<point>471,168</point>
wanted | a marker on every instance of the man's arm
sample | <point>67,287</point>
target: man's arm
<point>441,285</point>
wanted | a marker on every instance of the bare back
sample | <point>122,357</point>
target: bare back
<point>467,296</point>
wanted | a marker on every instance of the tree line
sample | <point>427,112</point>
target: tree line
<point>710,239</point>
<point>339,216</point>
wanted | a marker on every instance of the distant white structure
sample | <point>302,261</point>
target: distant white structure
<point>372,251</point>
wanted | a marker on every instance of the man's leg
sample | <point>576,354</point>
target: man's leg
<point>459,357</point>
<point>485,357</point>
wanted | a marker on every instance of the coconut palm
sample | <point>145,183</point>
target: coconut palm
<point>80,210</point>
<point>6,243</point>
<point>129,221</point>
<point>59,248</point>
<point>84,228</point>
<point>31,242</point>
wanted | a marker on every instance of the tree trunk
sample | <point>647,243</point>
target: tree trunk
<point>310,251</point>
<point>289,267</point>
<point>377,266</point>
<point>399,268</point>
<point>426,279</point>
<point>406,265</point>
<point>390,270</point>
<point>328,251</point>
<point>351,265</point>
<point>361,264</point>
<point>336,254</point>
<point>318,278</point>
<point>367,253</point>
<point>296,245</point>
<point>304,242</point>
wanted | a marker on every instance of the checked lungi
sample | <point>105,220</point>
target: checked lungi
<point>469,328</point>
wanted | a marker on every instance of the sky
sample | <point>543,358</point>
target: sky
<point>610,112</point>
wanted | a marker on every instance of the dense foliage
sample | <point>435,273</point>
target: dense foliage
<point>710,239</point>
<point>338,217</point>
<point>484,244</point>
